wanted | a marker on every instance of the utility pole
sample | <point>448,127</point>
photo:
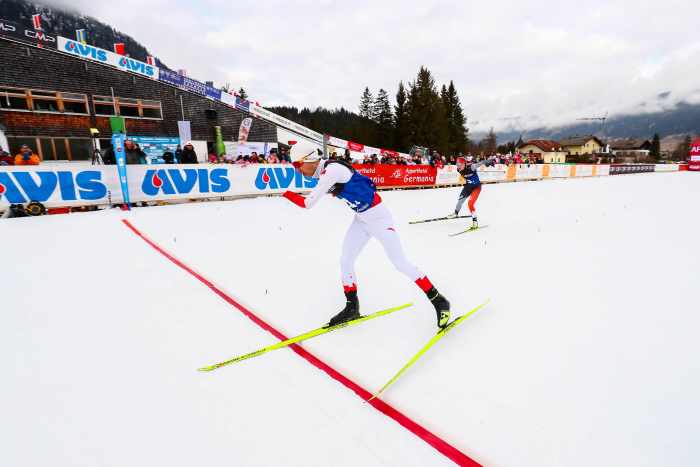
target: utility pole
<point>602,120</point>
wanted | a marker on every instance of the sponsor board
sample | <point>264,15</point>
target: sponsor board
<point>32,36</point>
<point>448,175</point>
<point>101,185</point>
<point>584,170</point>
<point>282,177</point>
<point>228,99</point>
<point>666,168</point>
<point>155,146</point>
<point>135,66</point>
<point>60,187</point>
<point>619,169</point>
<point>173,78</point>
<point>399,175</point>
<point>283,122</point>
<point>528,172</point>
<point>96,54</point>
<point>694,156</point>
<point>194,86</point>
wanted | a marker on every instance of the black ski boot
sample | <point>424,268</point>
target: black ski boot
<point>351,310</point>
<point>442,307</point>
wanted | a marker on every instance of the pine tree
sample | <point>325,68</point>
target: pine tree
<point>384,119</point>
<point>366,104</point>
<point>401,131</point>
<point>426,113</point>
<point>456,131</point>
<point>490,143</point>
<point>655,150</point>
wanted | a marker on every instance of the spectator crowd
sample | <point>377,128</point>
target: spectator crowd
<point>187,155</point>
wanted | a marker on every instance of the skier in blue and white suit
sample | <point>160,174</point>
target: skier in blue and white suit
<point>372,219</point>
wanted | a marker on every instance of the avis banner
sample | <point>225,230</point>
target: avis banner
<point>96,54</point>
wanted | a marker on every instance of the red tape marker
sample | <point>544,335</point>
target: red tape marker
<point>442,446</point>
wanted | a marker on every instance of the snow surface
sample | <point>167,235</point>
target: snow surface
<point>586,355</point>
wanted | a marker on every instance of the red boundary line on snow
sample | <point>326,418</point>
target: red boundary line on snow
<point>433,440</point>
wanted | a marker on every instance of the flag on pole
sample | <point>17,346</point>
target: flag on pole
<point>36,21</point>
<point>150,59</point>
<point>80,36</point>
<point>119,48</point>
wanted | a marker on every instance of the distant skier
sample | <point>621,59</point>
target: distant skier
<point>468,169</point>
<point>372,219</point>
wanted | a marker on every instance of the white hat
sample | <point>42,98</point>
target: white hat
<point>313,156</point>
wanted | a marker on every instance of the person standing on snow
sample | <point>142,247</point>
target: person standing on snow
<point>372,219</point>
<point>467,168</point>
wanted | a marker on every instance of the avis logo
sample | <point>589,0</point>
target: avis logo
<point>85,50</point>
<point>22,187</point>
<point>136,66</point>
<point>282,177</point>
<point>183,181</point>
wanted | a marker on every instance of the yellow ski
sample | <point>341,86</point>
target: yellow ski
<point>439,335</point>
<point>302,337</point>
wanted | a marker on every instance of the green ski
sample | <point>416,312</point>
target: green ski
<point>302,337</point>
<point>470,229</point>
<point>439,335</point>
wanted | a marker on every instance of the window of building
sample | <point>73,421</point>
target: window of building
<point>45,149</point>
<point>104,105</point>
<point>16,142</point>
<point>43,101</point>
<point>13,99</point>
<point>80,149</point>
<point>61,102</point>
<point>127,107</point>
<point>52,149</point>
<point>61,153</point>
<point>151,109</point>
<point>74,103</point>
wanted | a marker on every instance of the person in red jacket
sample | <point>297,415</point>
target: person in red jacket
<point>6,158</point>
<point>26,156</point>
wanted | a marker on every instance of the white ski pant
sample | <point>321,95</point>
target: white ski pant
<point>376,222</point>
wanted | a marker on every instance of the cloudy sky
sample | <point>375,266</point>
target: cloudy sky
<point>514,63</point>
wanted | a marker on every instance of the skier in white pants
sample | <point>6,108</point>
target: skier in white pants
<point>372,219</point>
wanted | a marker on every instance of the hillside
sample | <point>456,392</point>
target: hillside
<point>682,119</point>
<point>65,22</point>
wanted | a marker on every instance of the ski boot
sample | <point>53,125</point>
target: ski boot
<point>451,216</point>
<point>442,307</point>
<point>350,312</point>
<point>475,224</point>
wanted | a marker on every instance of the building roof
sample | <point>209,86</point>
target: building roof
<point>579,140</point>
<point>630,144</point>
<point>546,145</point>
